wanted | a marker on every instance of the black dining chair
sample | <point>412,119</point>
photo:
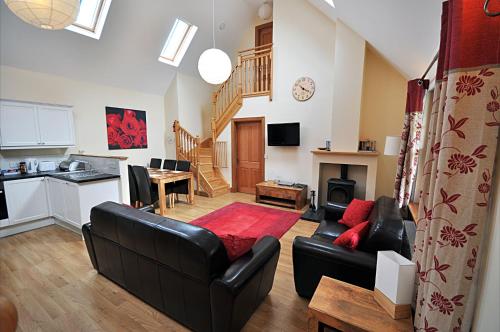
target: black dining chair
<point>170,164</point>
<point>132,185</point>
<point>182,186</point>
<point>155,163</point>
<point>146,195</point>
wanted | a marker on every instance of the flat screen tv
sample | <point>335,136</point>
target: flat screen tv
<point>283,134</point>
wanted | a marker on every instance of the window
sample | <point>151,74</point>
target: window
<point>330,2</point>
<point>177,43</point>
<point>91,18</point>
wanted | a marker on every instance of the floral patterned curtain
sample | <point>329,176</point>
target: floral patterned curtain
<point>410,138</point>
<point>462,141</point>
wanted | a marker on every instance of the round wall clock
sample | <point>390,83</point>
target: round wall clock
<point>303,89</point>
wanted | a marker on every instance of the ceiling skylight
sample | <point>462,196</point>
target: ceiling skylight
<point>177,43</point>
<point>330,2</point>
<point>91,18</point>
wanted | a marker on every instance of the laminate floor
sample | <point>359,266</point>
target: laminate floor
<point>48,275</point>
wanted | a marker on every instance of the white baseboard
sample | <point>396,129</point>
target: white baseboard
<point>68,226</point>
<point>24,227</point>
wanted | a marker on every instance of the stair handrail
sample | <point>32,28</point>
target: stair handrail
<point>187,146</point>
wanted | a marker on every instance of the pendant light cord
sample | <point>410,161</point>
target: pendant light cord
<point>213,22</point>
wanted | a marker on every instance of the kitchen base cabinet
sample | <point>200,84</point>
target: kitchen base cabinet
<point>26,200</point>
<point>71,202</point>
<point>38,202</point>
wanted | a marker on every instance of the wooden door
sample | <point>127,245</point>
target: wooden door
<point>263,36</point>
<point>248,154</point>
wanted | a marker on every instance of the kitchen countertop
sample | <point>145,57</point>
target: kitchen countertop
<point>66,176</point>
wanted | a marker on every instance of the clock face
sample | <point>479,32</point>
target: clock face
<point>303,89</point>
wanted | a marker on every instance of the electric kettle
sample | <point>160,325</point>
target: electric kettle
<point>32,165</point>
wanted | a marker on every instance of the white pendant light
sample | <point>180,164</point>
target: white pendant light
<point>214,65</point>
<point>265,11</point>
<point>46,14</point>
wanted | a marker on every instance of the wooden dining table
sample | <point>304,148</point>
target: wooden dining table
<point>163,176</point>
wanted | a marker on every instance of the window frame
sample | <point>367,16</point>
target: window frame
<point>100,19</point>
<point>183,46</point>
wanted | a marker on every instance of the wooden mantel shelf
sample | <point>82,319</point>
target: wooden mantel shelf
<point>357,153</point>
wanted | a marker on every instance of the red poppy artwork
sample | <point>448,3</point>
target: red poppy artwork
<point>126,128</point>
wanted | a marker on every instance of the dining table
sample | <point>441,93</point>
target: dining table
<point>161,177</point>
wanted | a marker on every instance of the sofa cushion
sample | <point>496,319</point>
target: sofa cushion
<point>357,212</point>
<point>236,245</point>
<point>330,229</point>
<point>351,238</point>
<point>386,230</point>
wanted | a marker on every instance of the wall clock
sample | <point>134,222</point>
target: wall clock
<point>303,89</point>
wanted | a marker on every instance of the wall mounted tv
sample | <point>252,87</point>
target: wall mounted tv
<point>283,134</point>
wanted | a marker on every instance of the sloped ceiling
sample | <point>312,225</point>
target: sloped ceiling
<point>126,56</point>
<point>405,32</point>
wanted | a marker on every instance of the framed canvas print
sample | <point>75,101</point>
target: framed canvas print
<point>127,129</point>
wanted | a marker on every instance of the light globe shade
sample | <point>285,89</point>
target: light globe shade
<point>392,145</point>
<point>46,14</point>
<point>214,66</point>
<point>265,11</point>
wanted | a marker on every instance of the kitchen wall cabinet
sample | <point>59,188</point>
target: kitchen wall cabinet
<point>27,200</point>
<point>29,125</point>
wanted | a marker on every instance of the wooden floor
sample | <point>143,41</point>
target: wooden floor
<point>48,275</point>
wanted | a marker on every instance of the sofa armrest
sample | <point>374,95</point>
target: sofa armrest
<point>313,258</point>
<point>89,244</point>
<point>334,211</point>
<point>244,285</point>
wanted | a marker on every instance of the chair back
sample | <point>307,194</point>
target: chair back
<point>144,190</point>
<point>183,165</point>
<point>155,163</point>
<point>132,185</point>
<point>169,164</point>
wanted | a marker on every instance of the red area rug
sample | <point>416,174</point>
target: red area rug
<point>248,220</point>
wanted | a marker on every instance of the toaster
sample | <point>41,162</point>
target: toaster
<point>46,166</point>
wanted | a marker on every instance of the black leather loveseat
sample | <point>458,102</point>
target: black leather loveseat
<point>317,256</point>
<point>180,269</point>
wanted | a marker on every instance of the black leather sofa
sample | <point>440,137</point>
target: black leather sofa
<point>178,268</point>
<point>317,256</point>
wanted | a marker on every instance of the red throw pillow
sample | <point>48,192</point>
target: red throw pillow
<point>351,238</point>
<point>357,211</point>
<point>236,245</point>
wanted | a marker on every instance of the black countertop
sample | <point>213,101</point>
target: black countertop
<point>66,176</point>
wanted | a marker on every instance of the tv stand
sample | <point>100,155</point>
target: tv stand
<point>270,192</point>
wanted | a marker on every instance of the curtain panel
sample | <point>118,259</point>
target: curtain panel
<point>410,140</point>
<point>458,167</point>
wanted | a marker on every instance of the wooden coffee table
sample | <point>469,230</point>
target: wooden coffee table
<point>350,308</point>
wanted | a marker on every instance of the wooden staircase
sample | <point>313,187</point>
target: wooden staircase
<point>251,77</point>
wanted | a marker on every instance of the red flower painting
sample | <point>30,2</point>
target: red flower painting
<point>126,129</point>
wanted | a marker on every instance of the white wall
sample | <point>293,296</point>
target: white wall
<point>189,100</point>
<point>487,318</point>
<point>89,101</point>
<point>348,86</point>
<point>304,45</point>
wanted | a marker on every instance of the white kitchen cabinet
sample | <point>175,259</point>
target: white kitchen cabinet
<point>29,125</point>
<point>56,197</point>
<point>56,126</point>
<point>71,202</point>
<point>18,125</point>
<point>26,200</point>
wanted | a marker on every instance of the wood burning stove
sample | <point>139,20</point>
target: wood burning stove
<point>341,190</point>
